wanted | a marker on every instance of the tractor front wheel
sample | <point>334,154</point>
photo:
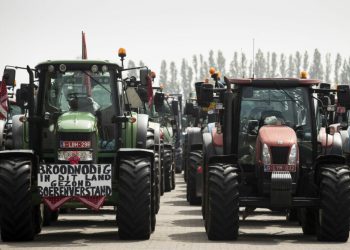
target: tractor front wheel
<point>333,215</point>
<point>134,206</point>
<point>20,220</point>
<point>222,218</point>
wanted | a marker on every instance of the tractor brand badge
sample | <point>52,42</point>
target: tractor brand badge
<point>279,142</point>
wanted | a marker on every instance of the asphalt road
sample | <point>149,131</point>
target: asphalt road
<point>179,226</point>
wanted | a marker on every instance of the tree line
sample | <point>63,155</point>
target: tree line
<point>180,78</point>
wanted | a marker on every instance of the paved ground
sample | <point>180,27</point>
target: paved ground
<point>179,226</point>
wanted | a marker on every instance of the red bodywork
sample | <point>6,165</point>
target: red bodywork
<point>275,136</point>
<point>217,138</point>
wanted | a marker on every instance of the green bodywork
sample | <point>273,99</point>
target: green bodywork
<point>77,122</point>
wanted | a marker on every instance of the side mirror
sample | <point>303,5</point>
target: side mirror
<point>158,101</point>
<point>206,94</point>
<point>23,95</point>
<point>189,109</point>
<point>143,76</point>
<point>9,76</point>
<point>198,86</point>
<point>142,91</point>
<point>344,96</point>
<point>175,107</point>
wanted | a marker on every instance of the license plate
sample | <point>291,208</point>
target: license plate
<point>75,144</point>
<point>283,168</point>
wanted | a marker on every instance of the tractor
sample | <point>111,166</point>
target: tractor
<point>205,116</point>
<point>272,157</point>
<point>168,110</point>
<point>81,147</point>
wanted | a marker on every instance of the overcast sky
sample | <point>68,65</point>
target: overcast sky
<point>152,30</point>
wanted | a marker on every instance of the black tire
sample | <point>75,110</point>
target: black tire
<point>162,178</point>
<point>178,160</point>
<point>134,205</point>
<point>292,215</point>
<point>308,218</point>
<point>222,218</point>
<point>333,219</point>
<point>173,180</point>
<point>167,170</point>
<point>47,216</point>
<point>195,159</point>
<point>158,181</point>
<point>154,195</point>
<point>19,220</point>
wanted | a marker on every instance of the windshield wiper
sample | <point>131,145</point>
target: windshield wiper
<point>287,94</point>
<point>95,80</point>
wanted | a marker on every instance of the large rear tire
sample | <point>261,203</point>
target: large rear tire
<point>195,159</point>
<point>222,218</point>
<point>20,220</point>
<point>333,219</point>
<point>134,205</point>
<point>167,170</point>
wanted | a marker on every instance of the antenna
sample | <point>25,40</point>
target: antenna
<point>253,58</point>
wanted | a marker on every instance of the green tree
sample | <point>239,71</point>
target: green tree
<point>328,68</point>
<point>260,65</point>
<point>291,66</point>
<point>274,65</point>
<point>297,63</point>
<point>306,61</point>
<point>344,76</point>
<point>243,70</point>
<point>268,70</point>
<point>184,80</point>
<point>133,72</point>
<point>163,74</point>
<point>283,70</point>
<point>316,70</point>
<point>221,62</point>
<point>174,84</point>
<point>195,66</point>
<point>211,59</point>
<point>234,66</point>
<point>337,66</point>
<point>203,68</point>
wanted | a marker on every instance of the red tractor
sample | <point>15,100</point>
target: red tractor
<point>272,158</point>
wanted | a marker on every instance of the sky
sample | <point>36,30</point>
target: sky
<point>38,30</point>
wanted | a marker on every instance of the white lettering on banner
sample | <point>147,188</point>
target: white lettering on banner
<point>75,180</point>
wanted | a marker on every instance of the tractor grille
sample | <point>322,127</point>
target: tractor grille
<point>75,136</point>
<point>279,155</point>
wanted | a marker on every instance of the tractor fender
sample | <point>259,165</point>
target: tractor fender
<point>26,153</point>
<point>345,140</point>
<point>195,140</point>
<point>141,133</point>
<point>156,130</point>
<point>208,147</point>
<point>136,152</point>
<point>17,132</point>
<point>327,159</point>
<point>2,134</point>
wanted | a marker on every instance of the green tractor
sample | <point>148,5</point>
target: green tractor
<point>80,148</point>
<point>168,111</point>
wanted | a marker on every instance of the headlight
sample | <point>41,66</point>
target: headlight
<point>292,160</point>
<point>83,155</point>
<point>266,157</point>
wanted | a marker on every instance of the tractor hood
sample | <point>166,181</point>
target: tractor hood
<point>77,122</point>
<point>277,135</point>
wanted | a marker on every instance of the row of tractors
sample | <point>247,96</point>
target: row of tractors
<point>80,134</point>
<point>280,144</point>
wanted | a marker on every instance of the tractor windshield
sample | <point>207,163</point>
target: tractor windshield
<point>274,106</point>
<point>80,91</point>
